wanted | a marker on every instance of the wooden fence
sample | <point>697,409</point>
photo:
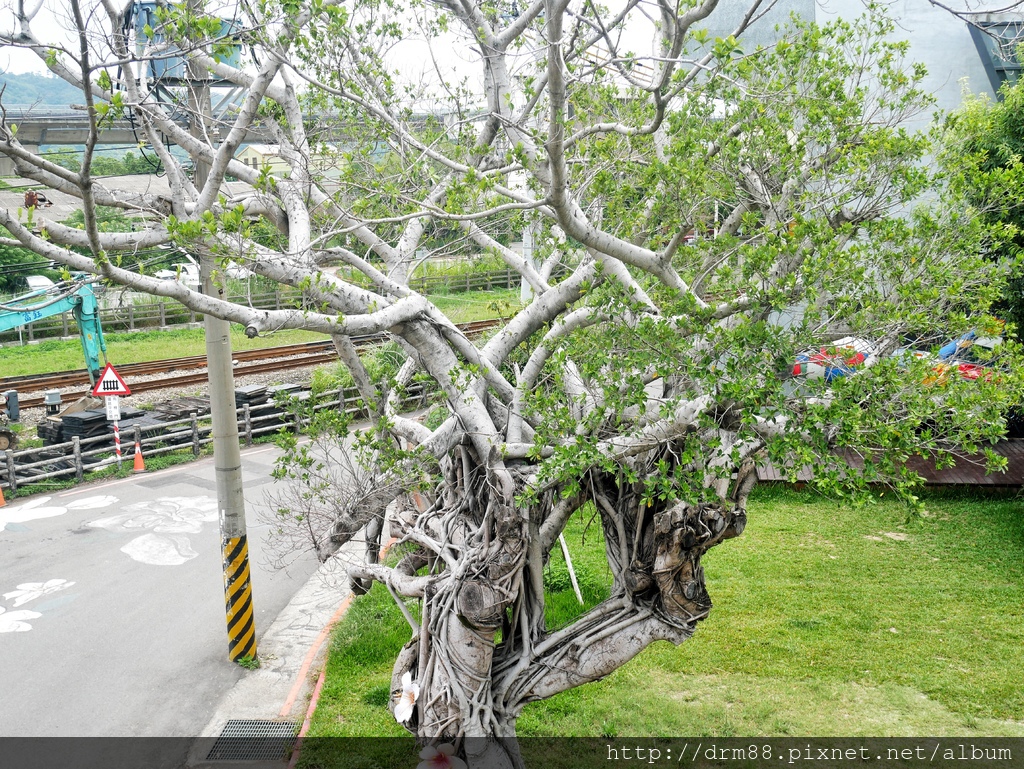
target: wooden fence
<point>73,459</point>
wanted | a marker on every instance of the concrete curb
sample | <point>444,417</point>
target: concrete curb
<point>292,651</point>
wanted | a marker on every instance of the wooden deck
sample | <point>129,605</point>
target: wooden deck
<point>969,469</point>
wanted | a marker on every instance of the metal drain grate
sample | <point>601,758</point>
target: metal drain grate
<point>254,740</point>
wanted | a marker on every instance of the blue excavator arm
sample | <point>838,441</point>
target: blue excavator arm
<point>74,296</point>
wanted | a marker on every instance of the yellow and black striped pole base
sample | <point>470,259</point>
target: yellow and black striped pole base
<point>238,599</point>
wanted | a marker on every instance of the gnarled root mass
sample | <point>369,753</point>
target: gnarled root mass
<point>480,648</point>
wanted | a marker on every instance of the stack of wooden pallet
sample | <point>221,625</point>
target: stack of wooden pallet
<point>181,408</point>
<point>254,395</point>
<point>93,423</point>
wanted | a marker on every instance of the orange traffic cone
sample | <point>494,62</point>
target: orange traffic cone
<point>140,466</point>
<point>3,502</point>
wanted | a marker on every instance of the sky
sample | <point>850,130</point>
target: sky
<point>19,61</point>
<point>53,23</point>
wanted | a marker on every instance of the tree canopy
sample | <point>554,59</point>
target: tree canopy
<point>126,165</point>
<point>16,264</point>
<point>984,152</point>
<point>716,211</point>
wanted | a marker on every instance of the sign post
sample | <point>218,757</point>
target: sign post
<point>110,386</point>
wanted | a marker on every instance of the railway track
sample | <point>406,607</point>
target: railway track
<point>289,356</point>
<point>62,379</point>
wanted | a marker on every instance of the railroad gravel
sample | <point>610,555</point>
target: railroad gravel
<point>30,418</point>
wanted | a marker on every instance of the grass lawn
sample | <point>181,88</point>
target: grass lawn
<point>138,347</point>
<point>830,621</point>
<point>478,305</point>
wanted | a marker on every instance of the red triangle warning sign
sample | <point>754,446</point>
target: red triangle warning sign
<point>110,383</point>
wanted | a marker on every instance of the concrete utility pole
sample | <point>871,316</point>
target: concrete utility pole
<point>227,457</point>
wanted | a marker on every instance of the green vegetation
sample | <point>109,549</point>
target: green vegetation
<point>248,662</point>
<point>16,263</point>
<point>108,219</point>
<point>984,154</point>
<point>129,164</point>
<point>478,305</point>
<point>829,620</point>
<point>459,266</point>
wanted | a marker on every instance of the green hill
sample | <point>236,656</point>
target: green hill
<point>30,89</point>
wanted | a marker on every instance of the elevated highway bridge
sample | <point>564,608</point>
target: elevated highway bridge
<point>68,126</point>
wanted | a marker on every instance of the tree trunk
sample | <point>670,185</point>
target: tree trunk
<point>481,651</point>
<point>451,661</point>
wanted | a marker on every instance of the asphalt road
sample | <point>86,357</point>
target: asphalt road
<point>112,606</point>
